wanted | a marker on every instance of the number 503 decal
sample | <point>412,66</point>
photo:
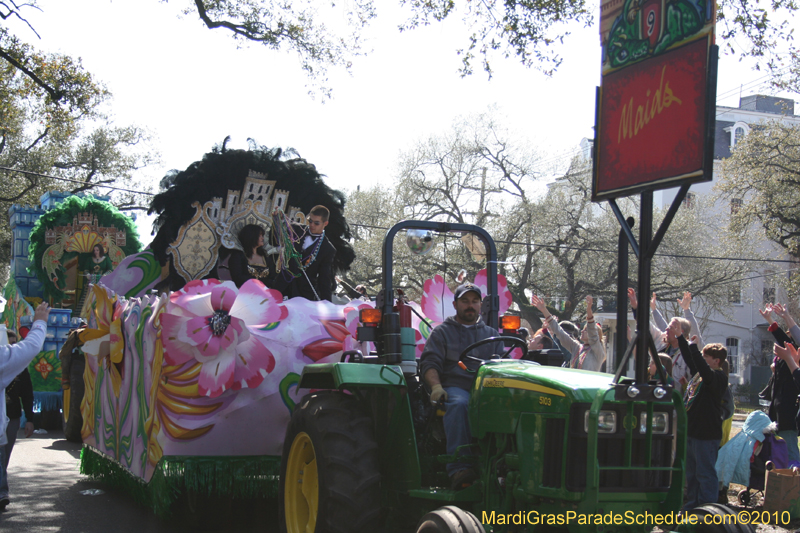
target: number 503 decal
<point>545,400</point>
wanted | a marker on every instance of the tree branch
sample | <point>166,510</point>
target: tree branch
<point>55,95</point>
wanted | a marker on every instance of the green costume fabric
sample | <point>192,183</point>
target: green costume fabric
<point>95,270</point>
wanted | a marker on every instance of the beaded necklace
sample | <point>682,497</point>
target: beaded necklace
<point>310,259</point>
<point>285,238</point>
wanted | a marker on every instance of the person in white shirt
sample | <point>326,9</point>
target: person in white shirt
<point>13,359</point>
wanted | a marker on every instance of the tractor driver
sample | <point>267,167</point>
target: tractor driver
<point>449,382</point>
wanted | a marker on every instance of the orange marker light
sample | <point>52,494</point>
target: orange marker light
<point>510,322</point>
<point>370,317</point>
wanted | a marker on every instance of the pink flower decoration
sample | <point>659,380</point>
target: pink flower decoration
<point>342,334</point>
<point>210,321</point>
<point>322,348</point>
<point>502,289</point>
<point>437,299</point>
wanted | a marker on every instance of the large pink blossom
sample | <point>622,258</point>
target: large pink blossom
<point>437,299</point>
<point>211,321</point>
<point>502,289</point>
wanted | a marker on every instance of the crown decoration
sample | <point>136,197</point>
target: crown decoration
<point>84,233</point>
<point>253,204</point>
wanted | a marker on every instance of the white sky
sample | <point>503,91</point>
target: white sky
<point>191,87</point>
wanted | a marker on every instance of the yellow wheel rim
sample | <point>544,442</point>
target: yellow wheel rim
<point>301,486</point>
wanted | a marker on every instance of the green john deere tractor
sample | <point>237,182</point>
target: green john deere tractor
<point>559,448</point>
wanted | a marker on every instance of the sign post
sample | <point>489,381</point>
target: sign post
<point>654,122</point>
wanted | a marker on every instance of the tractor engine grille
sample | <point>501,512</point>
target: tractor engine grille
<point>553,452</point>
<point>611,452</point>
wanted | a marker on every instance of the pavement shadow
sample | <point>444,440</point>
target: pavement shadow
<point>49,494</point>
<point>64,445</point>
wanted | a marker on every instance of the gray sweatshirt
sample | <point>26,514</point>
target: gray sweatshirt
<point>445,345</point>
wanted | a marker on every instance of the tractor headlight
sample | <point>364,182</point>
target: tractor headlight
<point>606,422</point>
<point>660,423</point>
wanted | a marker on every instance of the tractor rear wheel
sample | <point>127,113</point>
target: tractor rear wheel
<point>71,418</point>
<point>721,519</point>
<point>330,475</point>
<point>450,519</point>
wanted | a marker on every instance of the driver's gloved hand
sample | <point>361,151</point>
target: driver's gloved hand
<point>437,393</point>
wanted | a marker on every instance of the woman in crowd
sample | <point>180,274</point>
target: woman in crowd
<point>587,354</point>
<point>783,391</point>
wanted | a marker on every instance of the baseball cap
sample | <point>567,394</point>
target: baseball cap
<point>464,288</point>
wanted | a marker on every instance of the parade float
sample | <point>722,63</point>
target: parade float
<point>189,382</point>
<point>56,257</point>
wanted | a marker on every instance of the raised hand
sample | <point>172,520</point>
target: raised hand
<point>686,301</point>
<point>632,299</point>
<point>589,303</point>
<point>653,301</point>
<point>539,304</point>
<point>780,310</point>
<point>42,312</point>
<point>766,313</point>
<point>788,354</point>
<point>783,312</point>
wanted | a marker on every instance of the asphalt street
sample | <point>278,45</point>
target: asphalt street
<point>48,494</point>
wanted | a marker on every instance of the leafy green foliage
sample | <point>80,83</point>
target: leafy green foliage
<point>530,31</point>
<point>325,35</point>
<point>763,177</point>
<point>764,173</point>
<point>523,29</point>
<point>52,123</point>
<point>295,26</point>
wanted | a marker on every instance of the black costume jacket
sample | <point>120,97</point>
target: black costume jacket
<point>319,271</point>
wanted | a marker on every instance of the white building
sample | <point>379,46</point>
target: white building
<point>745,334</point>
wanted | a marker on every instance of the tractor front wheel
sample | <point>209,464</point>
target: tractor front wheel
<point>450,519</point>
<point>330,475</point>
<point>716,518</point>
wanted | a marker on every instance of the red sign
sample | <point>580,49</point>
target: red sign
<point>653,122</point>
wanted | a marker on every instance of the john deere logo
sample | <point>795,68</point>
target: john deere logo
<point>629,422</point>
<point>493,383</point>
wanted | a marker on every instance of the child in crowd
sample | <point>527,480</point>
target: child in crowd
<point>703,400</point>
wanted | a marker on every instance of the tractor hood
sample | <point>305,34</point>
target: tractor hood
<point>504,390</point>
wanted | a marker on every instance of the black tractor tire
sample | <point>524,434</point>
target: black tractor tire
<point>450,519</point>
<point>729,524</point>
<point>73,421</point>
<point>330,472</point>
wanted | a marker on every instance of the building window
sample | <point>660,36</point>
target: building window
<point>769,295</point>
<point>735,294</point>
<point>689,200</point>
<point>738,135</point>
<point>732,344</point>
<point>738,132</point>
<point>736,205</point>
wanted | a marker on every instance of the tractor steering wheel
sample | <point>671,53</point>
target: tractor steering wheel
<point>513,340</point>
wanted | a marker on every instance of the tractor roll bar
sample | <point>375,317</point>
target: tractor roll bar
<point>490,317</point>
